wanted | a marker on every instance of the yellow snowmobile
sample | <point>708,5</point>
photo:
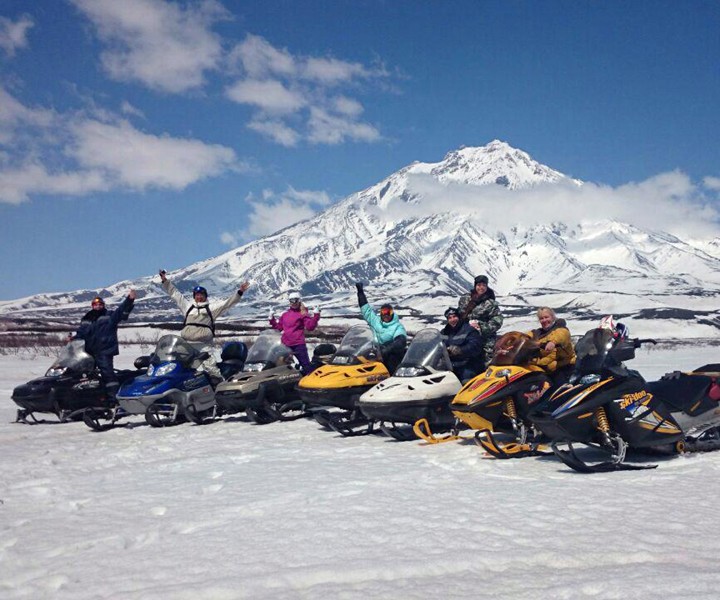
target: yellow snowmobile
<point>355,368</point>
<point>500,400</point>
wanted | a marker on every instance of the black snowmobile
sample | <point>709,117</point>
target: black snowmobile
<point>70,385</point>
<point>612,409</point>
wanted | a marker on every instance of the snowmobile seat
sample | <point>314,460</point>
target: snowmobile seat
<point>234,353</point>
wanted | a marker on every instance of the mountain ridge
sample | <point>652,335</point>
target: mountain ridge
<point>423,259</point>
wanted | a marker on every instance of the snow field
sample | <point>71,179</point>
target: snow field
<point>234,510</point>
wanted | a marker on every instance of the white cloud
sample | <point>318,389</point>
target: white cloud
<point>326,128</point>
<point>667,202</point>
<point>14,114</point>
<point>347,106</point>
<point>296,97</point>
<point>331,71</point>
<point>269,95</point>
<point>272,212</point>
<point>128,109</point>
<point>51,153</point>
<point>712,183</point>
<point>259,59</point>
<point>161,44</point>
<point>276,130</point>
<point>140,160</point>
<point>17,184</point>
<point>13,34</point>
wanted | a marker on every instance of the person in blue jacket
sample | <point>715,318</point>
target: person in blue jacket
<point>99,330</point>
<point>464,345</point>
<point>389,332</point>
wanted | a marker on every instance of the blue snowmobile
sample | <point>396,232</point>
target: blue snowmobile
<point>172,390</point>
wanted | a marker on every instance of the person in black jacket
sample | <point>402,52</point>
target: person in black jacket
<point>99,330</point>
<point>464,345</point>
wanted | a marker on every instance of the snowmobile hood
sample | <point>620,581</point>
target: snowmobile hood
<point>345,376</point>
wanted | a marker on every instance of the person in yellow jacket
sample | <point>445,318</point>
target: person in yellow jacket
<point>557,353</point>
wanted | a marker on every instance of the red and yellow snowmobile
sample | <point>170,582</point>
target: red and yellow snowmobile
<point>500,400</point>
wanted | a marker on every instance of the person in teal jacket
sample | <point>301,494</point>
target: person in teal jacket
<point>389,331</point>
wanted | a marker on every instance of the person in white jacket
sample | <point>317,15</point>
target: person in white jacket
<point>200,315</point>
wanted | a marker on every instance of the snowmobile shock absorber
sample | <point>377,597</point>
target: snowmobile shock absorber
<point>510,410</point>
<point>602,421</point>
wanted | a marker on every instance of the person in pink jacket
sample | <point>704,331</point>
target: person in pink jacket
<point>293,323</point>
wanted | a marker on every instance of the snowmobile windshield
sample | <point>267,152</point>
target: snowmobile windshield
<point>268,352</point>
<point>171,348</point>
<point>427,354</point>
<point>356,347</point>
<point>591,351</point>
<point>73,358</point>
<point>514,348</point>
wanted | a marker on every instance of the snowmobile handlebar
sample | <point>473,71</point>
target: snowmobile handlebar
<point>638,342</point>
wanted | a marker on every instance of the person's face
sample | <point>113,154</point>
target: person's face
<point>545,319</point>
<point>294,302</point>
<point>453,320</point>
<point>386,315</point>
<point>481,288</point>
<point>98,305</point>
<point>200,297</point>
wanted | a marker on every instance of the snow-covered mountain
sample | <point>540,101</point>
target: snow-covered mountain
<point>416,250</point>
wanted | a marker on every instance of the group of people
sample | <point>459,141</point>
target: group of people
<point>469,334</point>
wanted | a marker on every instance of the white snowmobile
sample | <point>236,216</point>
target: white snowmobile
<point>421,388</point>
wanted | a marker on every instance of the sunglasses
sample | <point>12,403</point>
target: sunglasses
<point>294,300</point>
<point>386,311</point>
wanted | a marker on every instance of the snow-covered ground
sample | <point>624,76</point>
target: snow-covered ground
<point>287,510</point>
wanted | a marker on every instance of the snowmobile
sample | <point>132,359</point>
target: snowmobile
<point>265,388</point>
<point>612,409</point>
<point>421,388</point>
<point>171,391</point>
<point>70,385</point>
<point>355,368</point>
<point>503,397</point>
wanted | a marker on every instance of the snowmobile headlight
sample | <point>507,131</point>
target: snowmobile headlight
<point>55,371</point>
<point>502,373</point>
<point>258,366</point>
<point>163,369</point>
<point>409,372</point>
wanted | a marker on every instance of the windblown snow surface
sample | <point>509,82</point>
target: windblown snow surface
<point>287,510</point>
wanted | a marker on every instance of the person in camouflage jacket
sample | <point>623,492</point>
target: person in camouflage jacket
<point>482,311</point>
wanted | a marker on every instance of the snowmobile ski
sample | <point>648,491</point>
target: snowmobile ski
<point>485,439</point>
<point>423,431</point>
<point>351,424</point>
<point>398,432</point>
<point>572,460</point>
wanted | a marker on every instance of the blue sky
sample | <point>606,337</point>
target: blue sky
<point>148,133</point>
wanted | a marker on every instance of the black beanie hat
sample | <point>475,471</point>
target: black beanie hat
<point>481,279</point>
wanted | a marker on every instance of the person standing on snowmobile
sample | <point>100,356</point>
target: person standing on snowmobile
<point>99,330</point>
<point>464,345</point>
<point>200,315</point>
<point>293,323</point>
<point>557,354</point>
<point>388,330</point>
<point>482,311</point>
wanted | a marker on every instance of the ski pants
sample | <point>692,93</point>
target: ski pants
<point>209,365</point>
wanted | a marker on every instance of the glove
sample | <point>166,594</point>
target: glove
<point>474,323</point>
<point>454,350</point>
<point>359,286</point>
<point>316,310</point>
<point>272,316</point>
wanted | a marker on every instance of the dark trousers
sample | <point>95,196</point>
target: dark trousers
<point>104,364</point>
<point>301,353</point>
